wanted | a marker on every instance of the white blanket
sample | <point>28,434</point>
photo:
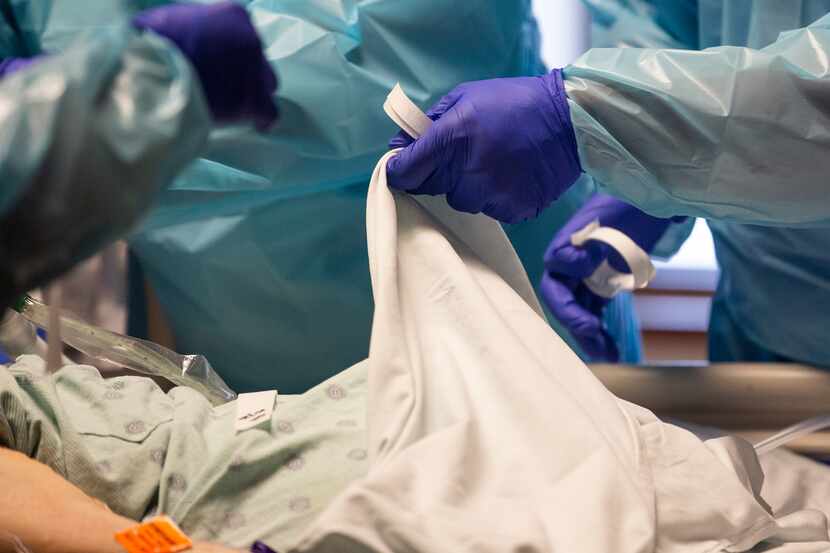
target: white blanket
<point>488,434</point>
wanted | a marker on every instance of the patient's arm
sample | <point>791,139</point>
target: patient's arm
<point>50,515</point>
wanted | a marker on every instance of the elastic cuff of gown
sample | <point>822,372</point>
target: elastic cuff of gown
<point>556,88</point>
<point>13,65</point>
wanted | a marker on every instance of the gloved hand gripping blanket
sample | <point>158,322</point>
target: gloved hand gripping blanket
<point>488,434</point>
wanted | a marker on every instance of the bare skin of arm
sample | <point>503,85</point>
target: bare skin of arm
<point>50,515</point>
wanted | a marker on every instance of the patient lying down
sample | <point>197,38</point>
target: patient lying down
<point>82,457</point>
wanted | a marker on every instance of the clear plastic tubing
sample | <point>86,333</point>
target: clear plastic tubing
<point>791,433</point>
<point>18,337</point>
<point>193,371</point>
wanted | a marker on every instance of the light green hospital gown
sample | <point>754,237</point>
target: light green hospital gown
<point>143,452</point>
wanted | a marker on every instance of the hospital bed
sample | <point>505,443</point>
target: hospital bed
<point>753,400</point>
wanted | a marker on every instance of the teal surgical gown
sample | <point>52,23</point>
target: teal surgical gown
<point>737,133</point>
<point>258,252</point>
<point>88,136</point>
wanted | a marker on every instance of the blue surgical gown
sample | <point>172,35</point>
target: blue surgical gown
<point>738,133</point>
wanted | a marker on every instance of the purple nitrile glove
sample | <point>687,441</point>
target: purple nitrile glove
<point>12,65</point>
<point>566,265</point>
<point>504,147</point>
<point>260,547</point>
<point>224,48</point>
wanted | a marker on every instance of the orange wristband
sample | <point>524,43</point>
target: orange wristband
<point>157,535</point>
